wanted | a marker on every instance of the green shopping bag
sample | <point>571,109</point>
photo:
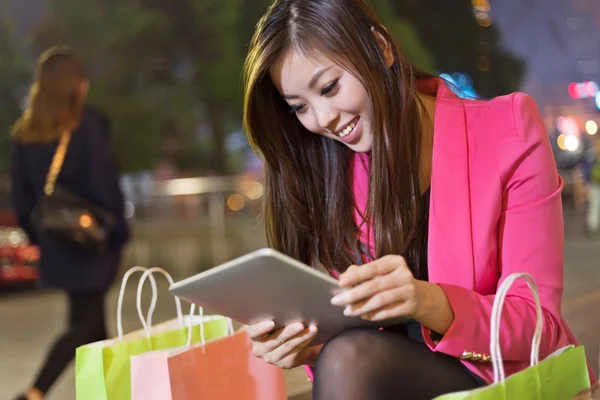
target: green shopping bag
<point>102,369</point>
<point>560,376</point>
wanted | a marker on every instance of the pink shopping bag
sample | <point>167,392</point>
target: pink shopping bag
<point>224,369</point>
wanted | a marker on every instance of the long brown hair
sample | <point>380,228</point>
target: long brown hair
<point>55,101</point>
<point>309,204</point>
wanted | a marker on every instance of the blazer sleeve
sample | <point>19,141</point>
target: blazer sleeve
<point>23,196</point>
<point>530,239</point>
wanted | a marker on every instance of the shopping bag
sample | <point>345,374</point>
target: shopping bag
<point>224,369</point>
<point>150,372</point>
<point>560,376</point>
<point>102,369</point>
<point>592,393</point>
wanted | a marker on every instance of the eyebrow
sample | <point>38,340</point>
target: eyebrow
<point>311,84</point>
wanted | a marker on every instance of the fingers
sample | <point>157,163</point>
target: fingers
<point>388,312</point>
<point>260,330</point>
<point>364,291</point>
<point>378,301</point>
<point>355,275</point>
<point>280,337</point>
<point>294,345</point>
<point>284,347</point>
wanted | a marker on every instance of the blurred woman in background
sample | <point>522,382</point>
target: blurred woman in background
<point>57,104</point>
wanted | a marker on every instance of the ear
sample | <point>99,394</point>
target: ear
<point>384,46</point>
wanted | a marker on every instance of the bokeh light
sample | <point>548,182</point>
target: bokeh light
<point>561,141</point>
<point>255,191</point>
<point>481,5</point>
<point>235,202</point>
<point>591,127</point>
<point>571,142</point>
<point>574,90</point>
<point>567,125</point>
<point>484,21</point>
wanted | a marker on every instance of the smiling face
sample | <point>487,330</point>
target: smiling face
<point>327,99</point>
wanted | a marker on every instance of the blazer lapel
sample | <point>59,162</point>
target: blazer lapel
<point>450,245</point>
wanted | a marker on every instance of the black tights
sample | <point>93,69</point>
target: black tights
<point>86,325</point>
<point>362,364</point>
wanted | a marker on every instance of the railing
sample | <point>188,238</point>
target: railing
<point>191,213</point>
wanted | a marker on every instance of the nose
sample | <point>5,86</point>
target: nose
<point>327,118</point>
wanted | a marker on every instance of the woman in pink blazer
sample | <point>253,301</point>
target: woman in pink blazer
<point>420,202</point>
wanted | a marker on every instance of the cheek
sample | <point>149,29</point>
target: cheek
<point>310,123</point>
<point>353,99</point>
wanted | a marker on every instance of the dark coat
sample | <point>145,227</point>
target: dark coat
<point>89,171</point>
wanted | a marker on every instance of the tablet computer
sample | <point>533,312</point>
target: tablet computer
<point>267,285</point>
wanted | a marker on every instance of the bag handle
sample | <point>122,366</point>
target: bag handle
<point>191,323</point>
<point>57,162</point>
<point>495,351</point>
<point>147,323</point>
<point>122,294</point>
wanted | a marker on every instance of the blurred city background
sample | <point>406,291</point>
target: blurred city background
<point>167,75</point>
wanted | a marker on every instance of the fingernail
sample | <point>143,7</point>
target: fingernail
<point>347,311</point>
<point>338,300</point>
<point>312,329</point>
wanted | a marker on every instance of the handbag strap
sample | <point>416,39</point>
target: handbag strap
<point>57,162</point>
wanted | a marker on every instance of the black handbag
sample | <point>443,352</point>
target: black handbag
<point>66,217</point>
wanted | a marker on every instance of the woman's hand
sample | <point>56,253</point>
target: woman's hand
<point>286,348</point>
<point>592,393</point>
<point>386,289</point>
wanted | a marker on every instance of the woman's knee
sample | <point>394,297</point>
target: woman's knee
<point>345,351</point>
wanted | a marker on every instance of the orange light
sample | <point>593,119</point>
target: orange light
<point>85,221</point>
<point>481,5</point>
<point>484,21</point>
<point>235,202</point>
<point>561,141</point>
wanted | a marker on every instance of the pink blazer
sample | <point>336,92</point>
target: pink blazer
<point>495,209</point>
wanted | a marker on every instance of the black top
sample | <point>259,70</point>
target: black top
<point>424,228</point>
<point>89,171</point>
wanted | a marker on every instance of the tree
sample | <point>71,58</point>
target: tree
<point>16,73</point>
<point>211,36</point>
<point>215,33</point>
<point>405,34</point>
<point>170,71</point>
<point>459,44</point>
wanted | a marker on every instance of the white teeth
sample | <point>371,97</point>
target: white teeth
<point>347,130</point>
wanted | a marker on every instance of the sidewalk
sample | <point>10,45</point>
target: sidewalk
<point>30,321</point>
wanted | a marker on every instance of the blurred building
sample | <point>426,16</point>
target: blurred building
<point>560,39</point>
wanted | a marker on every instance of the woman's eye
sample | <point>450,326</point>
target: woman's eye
<point>329,88</point>
<point>296,109</point>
